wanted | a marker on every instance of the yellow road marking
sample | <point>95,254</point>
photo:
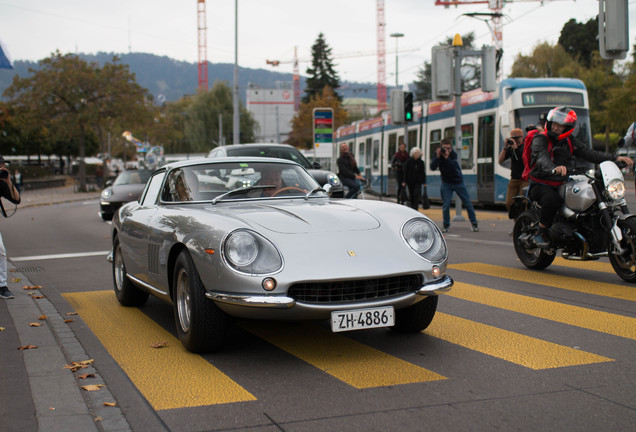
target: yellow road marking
<point>185,380</point>
<point>550,279</point>
<point>599,266</point>
<point>590,319</point>
<point>514,347</point>
<point>347,360</point>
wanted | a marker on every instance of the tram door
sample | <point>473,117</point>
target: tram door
<point>486,159</point>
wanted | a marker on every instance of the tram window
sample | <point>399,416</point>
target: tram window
<point>436,138</point>
<point>392,144</point>
<point>376,154</point>
<point>413,139</point>
<point>367,162</point>
<point>361,153</point>
<point>467,143</point>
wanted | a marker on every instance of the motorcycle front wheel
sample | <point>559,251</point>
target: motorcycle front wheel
<point>530,256</point>
<point>624,264</point>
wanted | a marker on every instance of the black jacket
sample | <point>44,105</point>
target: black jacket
<point>347,167</point>
<point>414,172</point>
<point>448,168</point>
<point>516,161</point>
<point>544,161</point>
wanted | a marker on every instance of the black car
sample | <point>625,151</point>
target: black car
<point>283,151</point>
<point>127,187</point>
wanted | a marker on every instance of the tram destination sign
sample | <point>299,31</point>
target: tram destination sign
<point>552,98</point>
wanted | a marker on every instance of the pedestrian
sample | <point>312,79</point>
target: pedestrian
<point>348,171</point>
<point>554,151</point>
<point>414,176</point>
<point>399,159</point>
<point>445,159</point>
<point>17,175</point>
<point>513,150</point>
<point>8,191</point>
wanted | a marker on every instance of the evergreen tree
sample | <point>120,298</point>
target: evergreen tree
<point>580,40</point>
<point>321,73</point>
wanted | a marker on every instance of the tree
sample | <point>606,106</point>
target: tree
<point>580,40</point>
<point>73,98</point>
<point>301,135</point>
<point>545,61</point>
<point>321,73</point>
<point>470,70</point>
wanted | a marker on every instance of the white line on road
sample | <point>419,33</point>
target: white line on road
<point>59,256</point>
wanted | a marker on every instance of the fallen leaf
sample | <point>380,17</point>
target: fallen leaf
<point>69,320</point>
<point>84,376</point>
<point>110,404</point>
<point>35,324</point>
<point>71,313</point>
<point>1,328</point>
<point>25,347</point>
<point>159,345</point>
<point>15,279</point>
<point>98,419</point>
<point>31,287</point>
<point>42,317</point>
<point>37,297</point>
<point>92,387</point>
<point>85,362</point>
<point>74,367</point>
<point>51,408</point>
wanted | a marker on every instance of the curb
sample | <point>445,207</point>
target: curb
<point>59,401</point>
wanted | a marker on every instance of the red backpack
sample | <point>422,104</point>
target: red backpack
<point>527,152</point>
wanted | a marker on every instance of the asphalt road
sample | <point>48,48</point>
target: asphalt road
<point>509,348</point>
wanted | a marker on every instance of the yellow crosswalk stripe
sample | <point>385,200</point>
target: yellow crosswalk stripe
<point>514,347</point>
<point>186,379</point>
<point>354,363</point>
<point>604,322</point>
<point>599,266</point>
<point>550,279</point>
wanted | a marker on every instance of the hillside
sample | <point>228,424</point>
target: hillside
<point>174,79</point>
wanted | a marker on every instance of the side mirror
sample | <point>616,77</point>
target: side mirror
<point>328,188</point>
<point>317,165</point>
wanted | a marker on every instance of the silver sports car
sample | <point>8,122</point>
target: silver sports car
<point>259,238</point>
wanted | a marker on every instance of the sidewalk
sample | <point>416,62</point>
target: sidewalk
<point>58,403</point>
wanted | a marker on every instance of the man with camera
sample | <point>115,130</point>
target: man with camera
<point>452,181</point>
<point>513,150</point>
<point>9,192</point>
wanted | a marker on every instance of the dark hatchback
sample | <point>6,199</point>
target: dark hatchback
<point>127,187</point>
<point>282,151</point>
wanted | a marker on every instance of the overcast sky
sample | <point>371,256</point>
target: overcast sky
<point>270,29</point>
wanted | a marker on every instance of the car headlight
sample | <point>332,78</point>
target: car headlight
<point>616,189</point>
<point>249,252</point>
<point>333,179</point>
<point>107,193</point>
<point>424,238</point>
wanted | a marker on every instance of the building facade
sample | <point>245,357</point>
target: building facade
<point>273,110</point>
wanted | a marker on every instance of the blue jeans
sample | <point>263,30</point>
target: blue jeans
<point>446,191</point>
<point>352,185</point>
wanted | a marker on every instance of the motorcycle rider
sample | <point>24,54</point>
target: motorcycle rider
<point>553,152</point>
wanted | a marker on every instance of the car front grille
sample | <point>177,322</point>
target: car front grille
<point>353,290</point>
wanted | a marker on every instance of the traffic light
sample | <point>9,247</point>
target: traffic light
<point>408,106</point>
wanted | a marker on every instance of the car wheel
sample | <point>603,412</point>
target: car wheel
<point>201,325</point>
<point>126,292</point>
<point>417,317</point>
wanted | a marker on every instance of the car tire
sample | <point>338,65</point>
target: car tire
<point>201,326</point>
<point>126,292</point>
<point>417,317</point>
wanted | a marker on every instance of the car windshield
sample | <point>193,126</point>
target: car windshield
<point>132,177</point>
<point>238,181</point>
<point>288,153</point>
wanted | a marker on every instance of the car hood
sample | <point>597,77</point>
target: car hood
<point>294,216</point>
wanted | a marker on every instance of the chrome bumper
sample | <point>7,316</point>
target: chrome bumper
<point>283,302</point>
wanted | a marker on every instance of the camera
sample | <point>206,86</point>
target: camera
<point>509,142</point>
<point>4,174</point>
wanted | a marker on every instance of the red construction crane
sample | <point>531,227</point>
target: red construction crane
<point>381,56</point>
<point>203,46</point>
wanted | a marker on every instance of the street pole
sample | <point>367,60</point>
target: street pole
<point>236,129</point>
<point>406,126</point>
<point>457,44</point>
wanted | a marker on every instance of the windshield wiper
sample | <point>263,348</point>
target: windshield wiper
<point>241,190</point>
<point>311,192</point>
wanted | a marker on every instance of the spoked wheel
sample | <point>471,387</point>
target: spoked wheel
<point>201,325</point>
<point>529,254</point>
<point>417,317</point>
<point>624,264</point>
<point>126,292</point>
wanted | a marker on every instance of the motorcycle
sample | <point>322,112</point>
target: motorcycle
<point>593,222</point>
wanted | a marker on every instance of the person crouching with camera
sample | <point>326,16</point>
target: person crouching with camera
<point>9,192</point>
<point>513,150</point>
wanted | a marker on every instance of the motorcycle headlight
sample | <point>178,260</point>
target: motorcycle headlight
<point>616,189</point>
<point>249,252</point>
<point>424,238</point>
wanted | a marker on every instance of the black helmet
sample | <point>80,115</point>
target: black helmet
<point>564,116</point>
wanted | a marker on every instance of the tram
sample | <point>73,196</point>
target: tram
<point>487,119</point>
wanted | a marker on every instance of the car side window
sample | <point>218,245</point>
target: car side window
<point>152,190</point>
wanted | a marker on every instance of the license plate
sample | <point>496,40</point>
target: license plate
<point>357,319</point>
